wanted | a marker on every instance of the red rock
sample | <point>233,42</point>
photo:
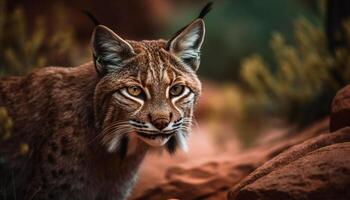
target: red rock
<point>322,174</point>
<point>340,111</point>
<point>316,169</point>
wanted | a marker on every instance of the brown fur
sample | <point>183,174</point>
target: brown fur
<point>87,134</point>
<point>61,112</point>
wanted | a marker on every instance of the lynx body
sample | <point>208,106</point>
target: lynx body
<point>89,127</point>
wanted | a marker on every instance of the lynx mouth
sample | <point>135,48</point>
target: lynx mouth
<point>153,136</point>
<point>155,139</point>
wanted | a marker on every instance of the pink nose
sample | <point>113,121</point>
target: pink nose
<point>161,123</point>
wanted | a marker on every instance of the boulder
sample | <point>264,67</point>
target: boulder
<point>213,179</point>
<point>318,168</point>
<point>340,110</point>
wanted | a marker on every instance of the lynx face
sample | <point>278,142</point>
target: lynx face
<point>147,88</point>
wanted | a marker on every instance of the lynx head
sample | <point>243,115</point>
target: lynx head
<point>147,88</point>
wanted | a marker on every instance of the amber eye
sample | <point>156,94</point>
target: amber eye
<point>134,90</point>
<point>176,90</point>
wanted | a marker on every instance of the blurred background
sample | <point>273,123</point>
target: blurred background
<point>269,68</point>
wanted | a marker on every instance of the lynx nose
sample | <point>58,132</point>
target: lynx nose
<point>161,123</point>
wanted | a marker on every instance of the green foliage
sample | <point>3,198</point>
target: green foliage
<point>22,50</point>
<point>236,28</point>
<point>305,80</point>
<point>5,124</point>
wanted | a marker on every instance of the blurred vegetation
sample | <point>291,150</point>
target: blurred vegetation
<point>5,130</point>
<point>235,29</point>
<point>27,43</point>
<point>301,87</point>
<point>5,124</point>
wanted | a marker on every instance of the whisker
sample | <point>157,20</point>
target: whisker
<point>114,143</point>
<point>172,130</point>
<point>147,131</point>
<point>185,130</point>
<point>188,124</point>
<point>110,128</point>
<point>190,121</point>
<point>107,138</point>
<point>113,127</point>
<point>117,128</point>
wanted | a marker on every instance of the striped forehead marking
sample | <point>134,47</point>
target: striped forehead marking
<point>161,68</point>
<point>151,64</point>
<point>156,66</point>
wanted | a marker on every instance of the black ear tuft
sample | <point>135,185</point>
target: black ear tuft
<point>205,10</point>
<point>186,46</point>
<point>186,43</point>
<point>91,17</point>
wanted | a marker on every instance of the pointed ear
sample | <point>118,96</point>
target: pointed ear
<point>187,43</point>
<point>109,50</point>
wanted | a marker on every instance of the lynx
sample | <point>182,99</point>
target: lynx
<point>89,127</point>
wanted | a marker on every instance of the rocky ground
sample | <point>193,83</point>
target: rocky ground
<point>313,164</point>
